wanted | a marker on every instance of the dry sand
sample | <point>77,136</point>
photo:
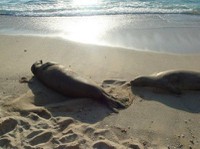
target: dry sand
<point>32,116</point>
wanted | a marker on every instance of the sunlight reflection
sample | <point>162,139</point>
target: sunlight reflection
<point>84,30</point>
<point>85,2</point>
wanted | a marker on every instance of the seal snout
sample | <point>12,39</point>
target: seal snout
<point>140,81</point>
<point>36,66</point>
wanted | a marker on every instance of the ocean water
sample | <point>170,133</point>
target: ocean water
<point>144,25</point>
<point>97,7</point>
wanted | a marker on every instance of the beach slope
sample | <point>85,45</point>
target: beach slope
<point>33,116</point>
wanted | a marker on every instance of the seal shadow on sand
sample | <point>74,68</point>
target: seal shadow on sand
<point>188,101</point>
<point>82,109</point>
<point>42,117</point>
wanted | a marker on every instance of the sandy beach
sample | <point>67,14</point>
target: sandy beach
<point>33,116</point>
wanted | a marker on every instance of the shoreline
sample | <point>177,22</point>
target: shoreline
<point>21,43</point>
<point>160,33</point>
<point>56,47</point>
<point>56,37</point>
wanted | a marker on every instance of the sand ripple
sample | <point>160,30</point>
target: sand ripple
<point>31,126</point>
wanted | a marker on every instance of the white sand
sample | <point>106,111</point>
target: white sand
<point>32,116</point>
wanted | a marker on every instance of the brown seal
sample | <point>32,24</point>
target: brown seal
<point>171,81</point>
<point>68,83</point>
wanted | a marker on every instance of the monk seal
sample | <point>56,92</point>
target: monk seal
<point>172,81</point>
<point>70,84</point>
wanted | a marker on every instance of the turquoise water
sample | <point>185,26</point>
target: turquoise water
<point>97,7</point>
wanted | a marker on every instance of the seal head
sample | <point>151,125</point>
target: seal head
<point>36,66</point>
<point>142,81</point>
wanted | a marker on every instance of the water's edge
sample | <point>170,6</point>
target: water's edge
<point>158,33</point>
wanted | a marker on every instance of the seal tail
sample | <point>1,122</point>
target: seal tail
<point>113,103</point>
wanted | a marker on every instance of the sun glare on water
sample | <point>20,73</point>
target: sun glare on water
<point>88,29</point>
<point>85,2</point>
<point>85,30</point>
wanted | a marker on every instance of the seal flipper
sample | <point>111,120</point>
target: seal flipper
<point>113,104</point>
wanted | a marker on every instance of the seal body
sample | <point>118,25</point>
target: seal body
<point>68,83</point>
<point>172,81</point>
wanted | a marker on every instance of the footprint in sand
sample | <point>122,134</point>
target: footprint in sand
<point>106,133</point>
<point>103,144</point>
<point>69,138</point>
<point>33,116</point>
<point>89,131</point>
<point>42,113</point>
<point>7,125</point>
<point>43,137</point>
<point>25,125</point>
<point>4,142</point>
<point>64,123</point>
<point>36,113</point>
<point>34,133</point>
<point>71,146</point>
